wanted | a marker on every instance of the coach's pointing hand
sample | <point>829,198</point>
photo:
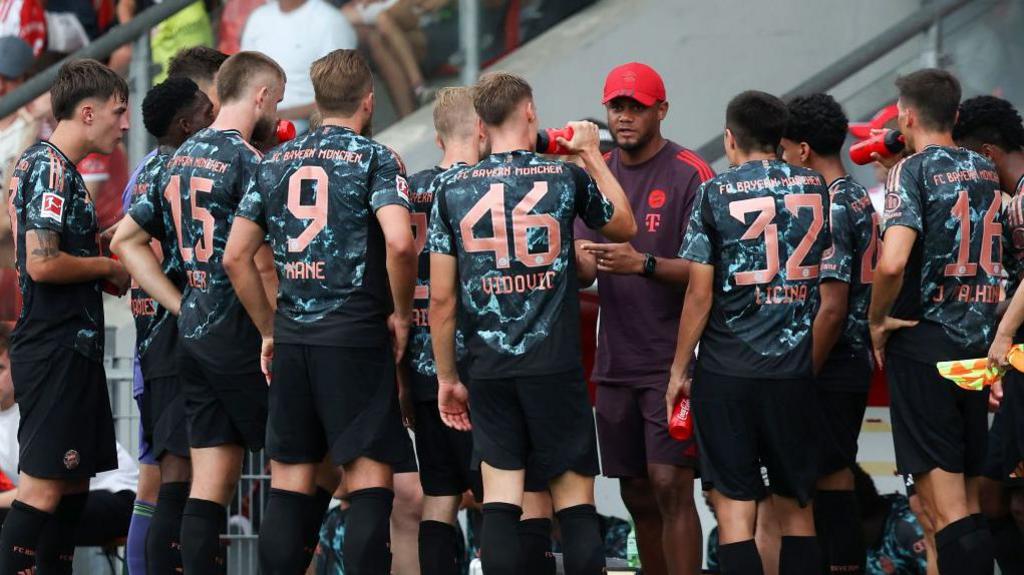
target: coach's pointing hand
<point>453,403</point>
<point>620,258</point>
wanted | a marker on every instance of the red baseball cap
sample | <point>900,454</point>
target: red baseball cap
<point>634,80</point>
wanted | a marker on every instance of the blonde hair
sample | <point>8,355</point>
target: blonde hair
<point>239,72</point>
<point>341,80</point>
<point>454,115</point>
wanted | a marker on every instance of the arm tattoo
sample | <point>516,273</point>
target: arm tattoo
<point>49,244</point>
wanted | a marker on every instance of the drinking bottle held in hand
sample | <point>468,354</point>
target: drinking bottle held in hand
<point>547,140</point>
<point>680,427</point>
<point>885,144</point>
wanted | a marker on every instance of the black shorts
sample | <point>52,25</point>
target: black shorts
<point>222,408</point>
<point>164,425</point>
<point>743,424</point>
<point>543,424</point>
<point>842,391</point>
<point>632,431</point>
<point>445,455</point>
<point>1005,460</point>
<point>67,429</point>
<point>337,401</point>
<point>935,424</point>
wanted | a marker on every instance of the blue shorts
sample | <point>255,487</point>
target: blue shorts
<point>145,449</point>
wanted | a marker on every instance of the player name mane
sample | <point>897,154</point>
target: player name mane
<point>203,163</point>
<point>320,154</point>
<point>765,183</point>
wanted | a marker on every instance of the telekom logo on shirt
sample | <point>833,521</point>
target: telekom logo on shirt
<point>655,199</point>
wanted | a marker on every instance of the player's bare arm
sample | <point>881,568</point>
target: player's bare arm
<point>452,396</point>
<point>268,273</point>
<point>1013,317</point>
<point>899,241</point>
<point>696,310</point>
<point>586,142</point>
<point>828,324</point>
<point>402,256</point>
<point>131,243</point>
<point>46,263</point>
<point>244,242</point>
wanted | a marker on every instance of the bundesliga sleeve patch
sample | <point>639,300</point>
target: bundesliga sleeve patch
<point>402,188</point>
<point>53,207</point>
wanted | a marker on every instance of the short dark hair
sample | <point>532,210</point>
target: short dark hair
<point>934,94</point>
<point>5,338</point>
<point>757,120</point>
<point>989,120</point>
<point>341,79</point>
<point>240,70</point>
<point>165,101</point>
<point>818,120</point>
<point>498,93</point>
<point>198,63</point>
<point>79,80</point>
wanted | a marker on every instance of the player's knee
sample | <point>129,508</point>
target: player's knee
<point>174,469</point>
<point>638,496</point>
<point>673,490</point>
<point>1017,506</point>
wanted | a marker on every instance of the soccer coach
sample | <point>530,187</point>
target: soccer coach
<point>642,284</point>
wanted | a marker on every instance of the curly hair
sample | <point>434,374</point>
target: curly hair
<point>989,120</point>
<point>165,101</point>
<point>818,120</point>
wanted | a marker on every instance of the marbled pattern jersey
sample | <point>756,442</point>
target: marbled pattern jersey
<point>204,183</point>
<point>764,226</point>
<point>317,197</point>
<point>156,329</point>
<point>852,259</point>
<point>47,193</point>
<point>509,222</point>
<point>421,352</point>
<point>951,198</point>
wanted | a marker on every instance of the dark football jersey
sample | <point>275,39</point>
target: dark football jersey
<point>156,329</point>
<point>1013,219</point>
<point>951,197</point>
<point>764,226</point>
<point>317,197</point>
<point>852,259</point>
<point>421,352</point>
<point>203,184</point>
<point>509,222</point>
<point>47,193</point>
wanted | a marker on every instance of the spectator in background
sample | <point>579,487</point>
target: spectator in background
<point>232,21</point>
<point>397,43</point>
<point>26,19</point>
<point>295,33</point>
<point>188,28</point>
<point>111,493</point>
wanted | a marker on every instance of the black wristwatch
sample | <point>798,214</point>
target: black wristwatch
<point>650,262</point>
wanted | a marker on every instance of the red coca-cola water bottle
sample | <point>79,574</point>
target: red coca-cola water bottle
<point>108,286</point>
<point>547,140</point>
<point>885,144</point>
<point>680,427</point>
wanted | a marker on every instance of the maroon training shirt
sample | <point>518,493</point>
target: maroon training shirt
<point>640,316</point>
